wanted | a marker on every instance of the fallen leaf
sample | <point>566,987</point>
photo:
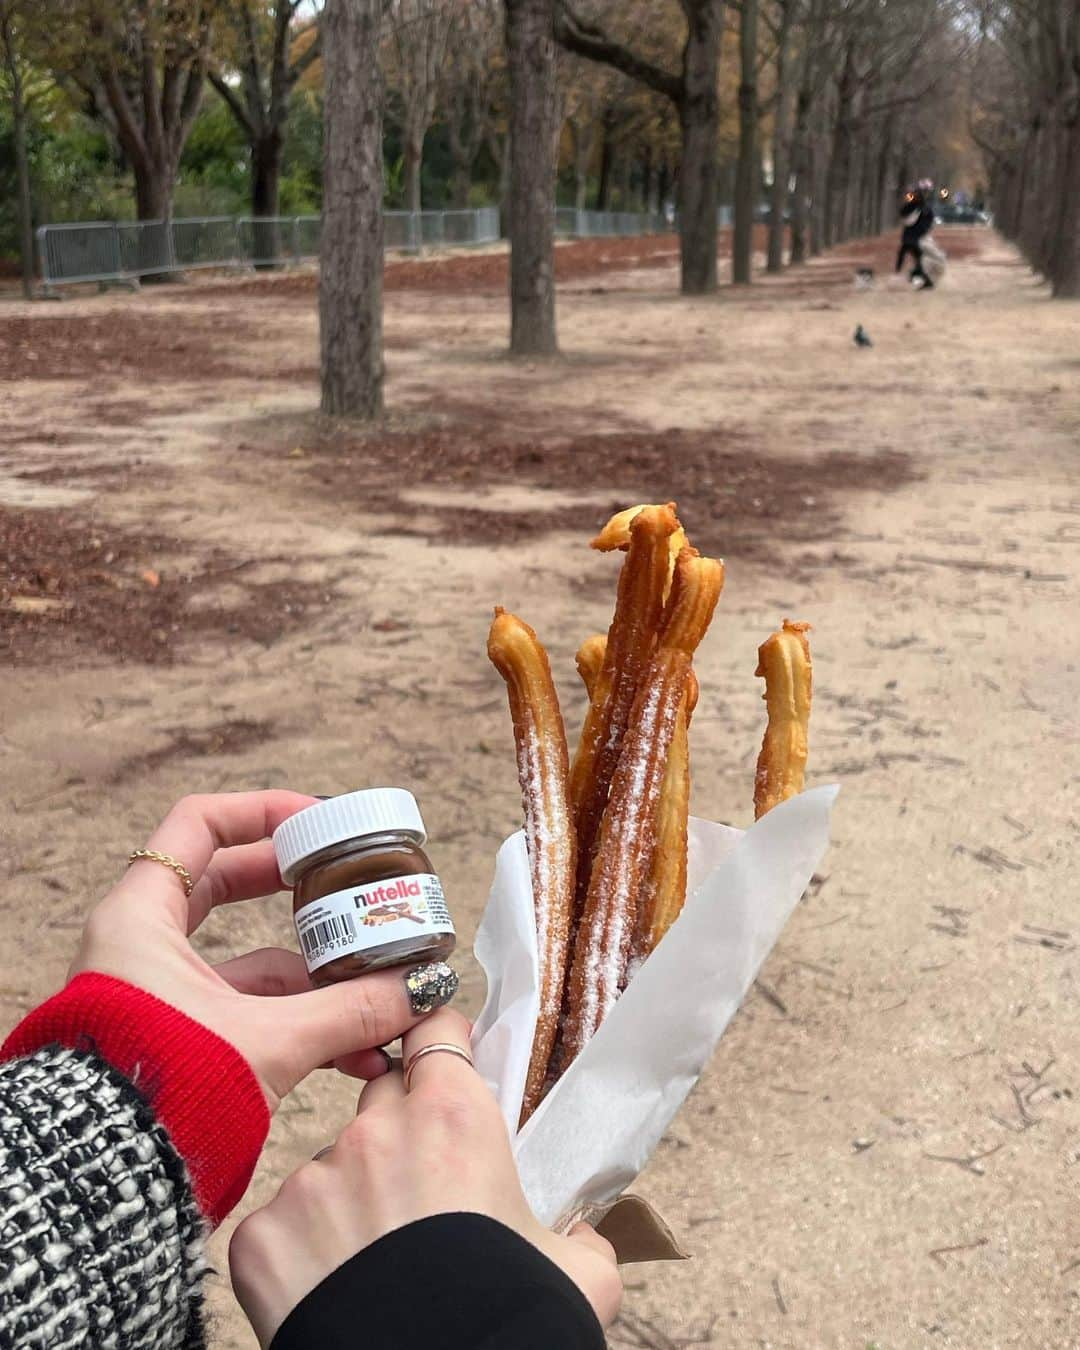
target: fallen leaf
<point>37,604</point>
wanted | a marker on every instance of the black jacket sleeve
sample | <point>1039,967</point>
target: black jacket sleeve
<point>452,1282</point>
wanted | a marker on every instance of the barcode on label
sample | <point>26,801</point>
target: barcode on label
<point>337,929</point>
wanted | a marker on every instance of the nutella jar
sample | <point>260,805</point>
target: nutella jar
<point>365,894</point>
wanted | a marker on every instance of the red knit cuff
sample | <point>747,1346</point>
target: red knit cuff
<point>201,1089</point>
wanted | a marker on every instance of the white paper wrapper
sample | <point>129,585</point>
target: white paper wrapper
<point>596,1129</point>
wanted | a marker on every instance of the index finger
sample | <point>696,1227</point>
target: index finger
<point>193,831</point>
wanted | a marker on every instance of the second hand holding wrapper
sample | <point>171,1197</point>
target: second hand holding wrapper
<point>606,993</point>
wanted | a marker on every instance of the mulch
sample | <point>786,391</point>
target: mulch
<point>737,498</point>
<point>121,345</point>
<point>73,589</point>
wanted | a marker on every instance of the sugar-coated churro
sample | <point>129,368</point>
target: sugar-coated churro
<point>543,771</point>
<point>628,835</point>
<point>616,535</point>
<point>663,892</point>
<point>607,835</point>
<point>784,661</point>
<point>630,643</point>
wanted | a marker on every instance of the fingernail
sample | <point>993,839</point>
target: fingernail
<point>430,987</point>
<point>387,1056</point>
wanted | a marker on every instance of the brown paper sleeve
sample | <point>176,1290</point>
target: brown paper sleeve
<point>638,1233</point>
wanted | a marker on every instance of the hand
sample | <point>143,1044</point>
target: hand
<point>373,1181</point>
<point>139,933</point>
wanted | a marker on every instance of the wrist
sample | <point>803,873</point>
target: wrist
<point>199,1086</point>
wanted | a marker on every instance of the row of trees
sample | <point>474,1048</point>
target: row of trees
<point>649,100</point>
<point>840,87</point>
<point>1026,118</point>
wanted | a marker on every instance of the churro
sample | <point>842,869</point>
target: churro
<point>784,661</point>
<point>589,659</point>
<point>628,835</point>
<point>543,771</point>
<point>630,643</point>
<point>663,893</point>
<point>616,535</point>
<point>607,836</point>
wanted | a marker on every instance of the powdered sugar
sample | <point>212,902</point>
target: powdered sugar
<point>626,844</point>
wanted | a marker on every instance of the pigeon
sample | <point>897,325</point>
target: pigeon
<point>862,337</point>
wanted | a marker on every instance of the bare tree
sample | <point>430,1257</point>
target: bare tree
<point>746,172</point>
<point>419,32</point>
<point>782,133</point>
<point>1026,119</point>
<point>473,77</point>
<point>142,64</point>
<point>584,114</point>
<point>351,252</point>
<point>268,60</point>
<point>530,47</point>
<point>692,89</point>
<point>16,79</point>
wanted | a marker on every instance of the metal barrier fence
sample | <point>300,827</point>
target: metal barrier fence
<point>571,223</point>
<point>123,251</point>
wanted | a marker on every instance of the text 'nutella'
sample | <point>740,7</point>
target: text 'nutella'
<point>365,894</point>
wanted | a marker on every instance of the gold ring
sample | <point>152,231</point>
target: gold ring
<point>440,1047</point>
<point>152,855</point>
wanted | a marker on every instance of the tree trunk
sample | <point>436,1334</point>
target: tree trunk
<point>464,147</point>
<point>699,120</point>
<point>622,179</point>
<point>800,163</point>
<point>837,174</point>
<point>799,212</point>
<point>881,195</point>
<point>581,186</point>
<point>745,176</point>
<point>663,184</point>
<point>853,195</point>
<point>607,160</point>
<point>153,209</point>
<point>153,191</point>
<point>266,154</point>
<point>774,260</point>
<point>350,281</point>
<point>530,47</point>
<point>460,186</point>
<point>652,184</point>
<point>1029,220</point>
<point>22,171</point>
<point>817,200</point>
<point>414,160</point>
<point>1066,263</point>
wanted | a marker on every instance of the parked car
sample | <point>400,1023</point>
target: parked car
<point>949,213</point>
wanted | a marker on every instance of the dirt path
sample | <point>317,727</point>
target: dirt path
<point>885,1149</point>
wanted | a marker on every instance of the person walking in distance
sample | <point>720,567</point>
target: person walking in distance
<point>917,218</point>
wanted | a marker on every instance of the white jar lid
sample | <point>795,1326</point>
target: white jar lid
<point>338,819</point>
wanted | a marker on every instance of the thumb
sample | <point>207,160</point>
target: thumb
<point>371,1010</point>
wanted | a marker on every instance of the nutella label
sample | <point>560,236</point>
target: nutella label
<point>363,917</point>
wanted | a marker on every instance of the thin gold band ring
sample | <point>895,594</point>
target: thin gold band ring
<point>166,860</point>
